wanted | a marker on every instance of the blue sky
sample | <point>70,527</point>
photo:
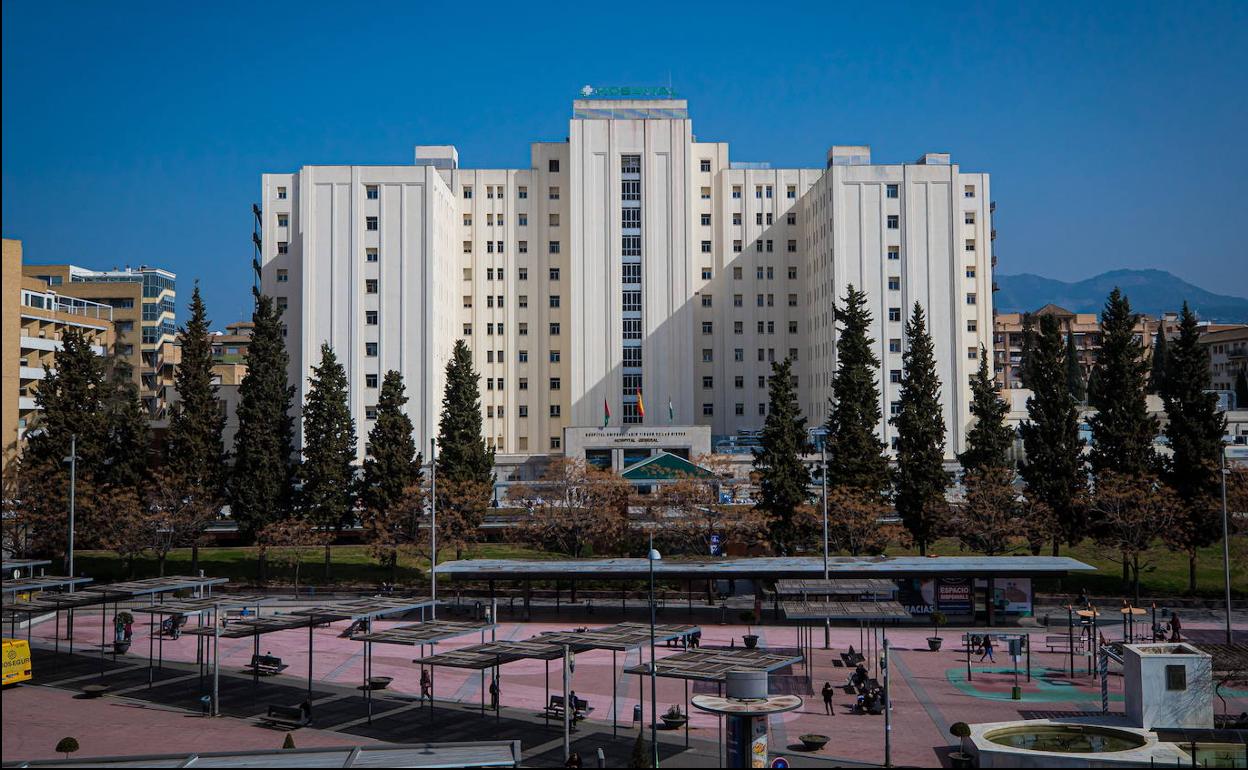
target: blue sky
<point>1115,132</point>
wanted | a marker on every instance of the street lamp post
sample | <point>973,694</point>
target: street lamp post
<point>73,483</point>
<point>433,529</point>
<point>1226,551</point>
<point>823,473</point>
<point>653,556</point>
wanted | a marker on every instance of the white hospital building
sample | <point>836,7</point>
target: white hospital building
<point>631,257</point>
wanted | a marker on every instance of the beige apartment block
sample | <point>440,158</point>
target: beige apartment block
<point>35,317</point>
<point>143,301</point>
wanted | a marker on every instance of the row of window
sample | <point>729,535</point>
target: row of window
<point>493,300</point>
<point>522,192</point>
<point>522,329</point>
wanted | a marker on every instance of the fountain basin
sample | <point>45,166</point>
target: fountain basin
<point>1093,742</point>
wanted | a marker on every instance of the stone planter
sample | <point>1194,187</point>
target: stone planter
<point>674,723</point>
<point>813,741</point>
<point>121,648</point>
<point>379,682</point>
<point>961,759</point>
<point>933,643</point>
<point>751,641</point>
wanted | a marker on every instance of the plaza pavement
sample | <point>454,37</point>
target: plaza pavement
<point>930,691</point>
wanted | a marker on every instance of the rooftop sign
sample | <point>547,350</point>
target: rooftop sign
<point>627,92</point>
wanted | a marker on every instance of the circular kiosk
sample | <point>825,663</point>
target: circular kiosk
<point>746,706</point>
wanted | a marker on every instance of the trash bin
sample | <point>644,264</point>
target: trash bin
<point>637,712</point>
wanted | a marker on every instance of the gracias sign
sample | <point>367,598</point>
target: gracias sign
<point>627,92</point>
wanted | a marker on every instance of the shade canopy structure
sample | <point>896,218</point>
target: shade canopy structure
<point>40,583</point>
<point>425,632</point>
<point>157,585</point>
<point>482,656</point>
<point>620,637</point>
<point>109,593</point>
<point>711,665</point>
<point>868,611</point>
<point>857,587</point>
<point>415,755</point>
<point>248,627</point>
<point>1227,658</point>
<point>9,566</point>
<point>370,607</point>
<point>206,604</point>
<point>764,567</point>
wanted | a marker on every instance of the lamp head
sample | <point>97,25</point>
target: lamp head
<point>654,555</point>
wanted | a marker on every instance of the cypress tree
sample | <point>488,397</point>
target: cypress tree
<point>856,457</point>
<point>194,448</point>
<point>70,400</point>
<point>989,440</point>
<point>1074,371</point>
<point>920,423</point>
<point>1029,344</point>
<point>784,480</point>
<point>1195,428</point>
<point>260,481</point>
<point>1122,428</point>
<point>1053,470</point>
<point>391,463</point>
<point>465,465</point>
<point>126,432</point>
<point>1241,389</point>
<point>328,470</point>
<point>1157,372</point>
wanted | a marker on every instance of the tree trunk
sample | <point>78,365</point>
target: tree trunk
<point>394,568</point>
<point>160,564</point>
<point>1126,572</point>
<point>922,548</point>
<point>261,568</point>
<point>194,559</point>
<point>327,569</point>
<point>574,590</point>
<point>1191,572</point>
<point>1057,546</point>
<point>1135,561</point>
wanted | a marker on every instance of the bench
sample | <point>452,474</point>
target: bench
<point>292,717</point>
<point>581,708</point>
<point>266,665</point>
<point>1063,642</point>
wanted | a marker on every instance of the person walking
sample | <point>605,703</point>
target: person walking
<point>827,698</point>
<point>426,685</point>
<point>1176,627</point>
<point>988,647</point>
<point>574,760</point>
<point>494,693</point>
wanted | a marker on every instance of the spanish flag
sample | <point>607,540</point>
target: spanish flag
<point>641,405</point>
<point>606,413</point>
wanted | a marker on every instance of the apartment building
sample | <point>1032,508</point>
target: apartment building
<point>630,269</point>
<point>35,316</point>
<point>1228,356</point>
<point>143,301</point>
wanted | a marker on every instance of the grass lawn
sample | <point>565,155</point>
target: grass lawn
<point>1164,573</point>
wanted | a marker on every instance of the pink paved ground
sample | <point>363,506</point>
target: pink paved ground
<point>35,718</point>
<point>925,697</point>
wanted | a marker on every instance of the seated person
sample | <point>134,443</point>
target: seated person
<point>858,679</point>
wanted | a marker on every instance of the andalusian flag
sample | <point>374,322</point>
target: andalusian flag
<point>641,405</point>
<point>671,411</point>
<point>606,413</point>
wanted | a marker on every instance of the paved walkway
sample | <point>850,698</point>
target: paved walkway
<point>930,691</point>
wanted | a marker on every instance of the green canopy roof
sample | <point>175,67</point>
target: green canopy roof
<point>665,466</point>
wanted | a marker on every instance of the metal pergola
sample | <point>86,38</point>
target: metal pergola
<point>426,632</point>
<point>493,655</point>
<point>207,606</point>
<point>16,586</point>
<point>855,587</point>
<point>15,567</point>
<point>712,665</point>
<point>871,617</point>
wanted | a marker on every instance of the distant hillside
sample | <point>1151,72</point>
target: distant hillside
<point>1150,291</point>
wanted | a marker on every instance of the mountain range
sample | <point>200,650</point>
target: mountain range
<point>1151,291</point>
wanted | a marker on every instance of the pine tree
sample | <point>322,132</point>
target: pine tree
<point>391,464</point>
<point>1122,429</point>
<point>920,423</point>
<point>194,448</point>
<point>1054,466</point>
<point>1157,371</point>
<point>126,437</point>
<point>465,465</point>
<point>1195,428</point>
<point>1074,371</point>
<point>856,457</point>
<point>327,472</point>
<point>1029,345</point>
<point>1241,389</point>
<point>989,440</point>
<point>784,480</point>
<point>260,483</point>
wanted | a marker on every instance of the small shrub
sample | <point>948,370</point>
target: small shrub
<point>960,729</point>
<point>67,746</point>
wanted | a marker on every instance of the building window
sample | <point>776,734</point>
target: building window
<point>706,247</point>
<point>632,328</point>
<point>791,218</point>
<point>554,300</point>
<point>370,413</point>
<point>708,355</point>
<point>705,165</point>
<point>632,357</point>
<point>632,301</point>
<point>894,345</point>
<point>738,354</point>
<point>894,222</point>
<point>969,218</point>
<point>894,283</point>
<point>894,375</point>
<point>552,165</point>
<point>792,246</point>
<point>371,192</point>
<point>706,193</point>
<point>708,327</point>
<point>894,252</point>
<point>283,220</point>
<point>970,272</point>
<point>370,317</point>
<point>554,329</point>
<point>630,218</point>
<point>970,244</point>
<point>706,274</point>
<point>972,354</point>
<point>522,192</point>
<point>736,193</point>
<point>894,408</point>
<point>283,275</point>
<point>467,247</point>
<point>554,247</point>
<point>370,255</point>
<point>554,383</point>
<point>971,298</point>
<point>968,191</point>
<point>467,220</point>
<point>523,300</point>
<point>792,272</point>
<point>791,192</point>
<point>792,301</point>
<point>894,314</point>
<point>283,247</point>
<point>370,380</point>
<point>370,349</point>
<point>554,220</point>
<point>631,273</point>
<point>370,285</point>
<point>281,193</point>
<point>467,330</point>
<point>739,409</point>
<point>762,409</point>
<point>556,442</point>
<point>736,247</point>
<point>892,190</point>
<point>708,410</point>
<point>706,300</point>
<point>467,193</point>
<point>553,194</point>
<point>706,220</point>
<point>554,410</point>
